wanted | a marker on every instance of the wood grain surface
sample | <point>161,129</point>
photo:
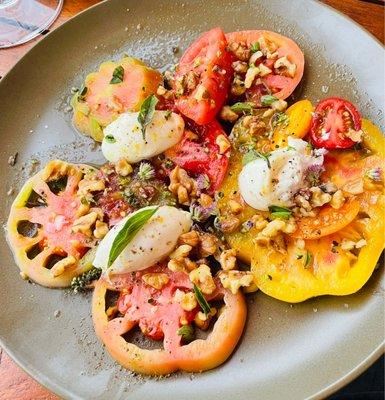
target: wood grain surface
<point>15,384</point>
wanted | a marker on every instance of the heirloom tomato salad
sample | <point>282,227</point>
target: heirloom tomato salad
<point>216,184</point>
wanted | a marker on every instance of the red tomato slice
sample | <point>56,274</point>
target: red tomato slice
<point>208,60</point>
<point>278,85</point>
<point>332,119</point>
<point>201,157</point>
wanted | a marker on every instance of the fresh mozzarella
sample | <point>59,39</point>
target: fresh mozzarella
<point>154,241</point>
<point>261,186</point>
<point>123,138</point>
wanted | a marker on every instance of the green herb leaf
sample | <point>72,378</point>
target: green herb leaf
<point>117,75</point>
<point>132,226</point>
<point>146,112</point>
<point>308,259</point>
<point>109,139</point>
<point>82,93</point>
<point>268,99</point>
<point>187,333</point>
<point>253,154</point>
<point>201,300</point>
<point>246,107</point>
<point>255,47</point>
<point>280,212</point>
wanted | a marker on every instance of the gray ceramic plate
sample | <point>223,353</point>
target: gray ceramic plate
<point>293,352</point>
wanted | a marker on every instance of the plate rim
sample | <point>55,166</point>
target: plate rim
<point>61,390</point>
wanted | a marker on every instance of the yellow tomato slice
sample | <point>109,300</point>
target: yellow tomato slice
<point>300,114</point>
<point>323,267</point>
<point>373,138</point>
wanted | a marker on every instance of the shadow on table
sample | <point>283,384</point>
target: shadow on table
<point>368,386</point>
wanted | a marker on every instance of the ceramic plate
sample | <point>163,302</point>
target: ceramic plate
<point>297,351</point>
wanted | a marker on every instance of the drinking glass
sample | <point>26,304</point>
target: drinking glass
<point>22,20</point>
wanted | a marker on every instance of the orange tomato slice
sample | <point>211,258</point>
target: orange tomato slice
<point>327,221</point>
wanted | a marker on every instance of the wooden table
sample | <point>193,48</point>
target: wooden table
<point>16,384</point>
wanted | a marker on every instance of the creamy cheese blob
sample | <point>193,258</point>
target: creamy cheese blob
<point>123,138</point>
<point>261,186</point>
<point>154,241</point>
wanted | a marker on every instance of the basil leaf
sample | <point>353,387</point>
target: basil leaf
<point>255,47</point>
<point>201,300</point>
<point>246,107</point>
<point>117,75</point>
<point>308,259</point>
<point>268,99</point>
<point>187,333</point>
<point>280,212</point>
<point>132,226</point>
<point>146,112</point>
<point>253,154</point>
<point>109,139</point>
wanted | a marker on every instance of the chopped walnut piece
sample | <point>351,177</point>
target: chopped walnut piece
<point>255,57</point>
<point>240,50</point>
<point>263,70</point>
<point>163,92</point>
<point>229,223</point>
<point>235,206</point>
<point>228,259</point>
<point>202,321</point>
<point>156,280</point>
<point>238,87</point>
<point>279,105</point>
<point>181,252</point>
<point>285,67</point>
<point>227,114</point>
<point>259,222</point>
<point>223,143</point>
<point>208,244</point>
<point>273,228</point>
<point>251,74</point>
<point>205,200</point>
<point>123,168</point>
<point>60,267</point>
<point>267,45</point>
<point>181,185</point>
<point>101,230</point>
<point>338,200</point>
<point>83,209</point>
<point>191,81</point>
<point>84,223</point>
<point>181,265</point>
<point>233,279</point>
<point>355,136</point>
<point>257,127</point>
<point>319,197</point>
<point>202,277</point>
<point>90,185</point>
<point>201,93</point>
<point>240,67</point>
<point>191,238</point>
<point>186,300</point>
